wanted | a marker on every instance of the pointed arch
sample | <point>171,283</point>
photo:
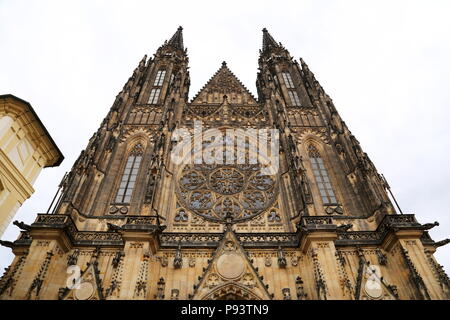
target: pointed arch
<point>130,173</point>
<point>321,175</point>
<point>158,82</point>
<point>231,291</point>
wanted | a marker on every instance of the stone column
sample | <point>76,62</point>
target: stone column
<point>317,242</point>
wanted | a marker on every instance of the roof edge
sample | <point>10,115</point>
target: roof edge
<point>61,156</point>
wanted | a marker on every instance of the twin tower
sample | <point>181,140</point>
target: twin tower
<point>130,223</point>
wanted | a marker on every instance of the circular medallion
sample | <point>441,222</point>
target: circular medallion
<point>113,210</point>
<point>230,265</point>
<point>373,289</point>
<point>373,286</point>
<point>85,291</point>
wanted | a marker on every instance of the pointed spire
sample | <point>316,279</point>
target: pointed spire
<point>177,39</point>
<point>268,41</point>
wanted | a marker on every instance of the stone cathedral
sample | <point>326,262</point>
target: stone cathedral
<point>131,223</point>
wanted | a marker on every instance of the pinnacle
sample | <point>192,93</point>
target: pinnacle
<point>177,39</point>
<point>268,41</point>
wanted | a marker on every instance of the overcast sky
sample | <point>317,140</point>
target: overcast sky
<point>384,63</point>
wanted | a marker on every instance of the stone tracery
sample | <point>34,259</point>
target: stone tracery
<point>217,191</point>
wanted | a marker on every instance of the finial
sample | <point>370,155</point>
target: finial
<point>224,64</point>
<point>180,28</point>
<point>264,30</point>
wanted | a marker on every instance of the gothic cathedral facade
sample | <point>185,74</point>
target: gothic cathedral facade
<point>132,223</point>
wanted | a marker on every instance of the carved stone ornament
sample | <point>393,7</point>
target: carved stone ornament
<point>175,293</point>
<point>373,287</point>
<point>178,260</point>
<point>286,294</point>
<point>218,192</point>
<point>164,261</point>
<point>268,261</point>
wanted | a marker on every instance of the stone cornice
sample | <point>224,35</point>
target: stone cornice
<point>311,226</point>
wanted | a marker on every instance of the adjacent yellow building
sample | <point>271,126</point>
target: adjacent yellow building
<point>25,148</point>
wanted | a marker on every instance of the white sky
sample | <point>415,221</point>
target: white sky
<point>385,64</point>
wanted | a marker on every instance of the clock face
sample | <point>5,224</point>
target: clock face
<point>217,192</point>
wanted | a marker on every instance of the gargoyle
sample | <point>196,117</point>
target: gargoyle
<point>441,243</point>
<point>428,226</point>
<point>22,225</point>
<point>7,244</point>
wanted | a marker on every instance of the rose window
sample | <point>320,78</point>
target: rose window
<point>227,181</point>
<point>217,192</point>
<point>192,180</point>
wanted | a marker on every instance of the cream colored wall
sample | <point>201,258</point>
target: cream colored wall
<point>21,163</point>
<point>12,208</point>
<point>15,142</point>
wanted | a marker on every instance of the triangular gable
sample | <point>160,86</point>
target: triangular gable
<point>230,275</point>
<point>225,111</point>
<point>89,285</point>
<point>371,284</point>
<point>223,82</point>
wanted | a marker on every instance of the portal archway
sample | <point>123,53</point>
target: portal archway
<point>231,291</point>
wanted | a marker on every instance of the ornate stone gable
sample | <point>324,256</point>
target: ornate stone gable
<point>230,274</point>
<point>224,82</point>
<point>87,287</point>
<point>371,285</point>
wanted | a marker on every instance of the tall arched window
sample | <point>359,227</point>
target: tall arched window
<point>293,95</point>
<point>159,79</point>
<point>129,175</point>
<point>157,86</point>
<point>288,80</point>
<point>321,176</point>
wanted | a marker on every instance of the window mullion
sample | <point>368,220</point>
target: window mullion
<point>322,177</point>
<point>129,177</point>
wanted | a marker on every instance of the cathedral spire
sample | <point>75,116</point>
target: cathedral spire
<point>268,41</point>
<point>177,39</point>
